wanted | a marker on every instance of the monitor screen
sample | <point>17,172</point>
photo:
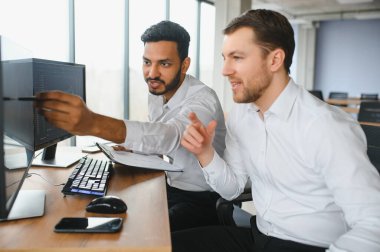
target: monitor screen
<point>15,157</point>
<point>27,77</point>
<point>23,130</point>
<point>23,79</point>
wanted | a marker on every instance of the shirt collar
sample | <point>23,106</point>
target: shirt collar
<point>282,106</point>
<point>179,95</point>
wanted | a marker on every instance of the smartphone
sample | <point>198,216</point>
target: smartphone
<point>89,225</point>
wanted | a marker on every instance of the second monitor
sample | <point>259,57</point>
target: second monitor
<point>27,77</point>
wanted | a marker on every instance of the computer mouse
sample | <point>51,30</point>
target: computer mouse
<point>107,205</point>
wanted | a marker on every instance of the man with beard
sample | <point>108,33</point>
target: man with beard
<point>173,94</point>
<point>313,185</point>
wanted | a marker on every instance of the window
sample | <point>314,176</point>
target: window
<point>140,18</point>
<point>207,35</point>
<point>41,26</point>
<point>185,14</point>
<point>99,44</point>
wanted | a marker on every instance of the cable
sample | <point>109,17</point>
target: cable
<point>33,173</point>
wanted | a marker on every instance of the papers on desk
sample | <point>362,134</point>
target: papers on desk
<point>137,160</point>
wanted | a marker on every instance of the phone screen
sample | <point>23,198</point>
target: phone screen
<point>89,225</point>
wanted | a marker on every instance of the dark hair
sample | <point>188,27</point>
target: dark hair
<point>169,31</point>
<point>272,31</point>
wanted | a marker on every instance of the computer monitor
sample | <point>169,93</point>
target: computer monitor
<point>23,131</point>
<point>26,77</point>
<point>15,159</point>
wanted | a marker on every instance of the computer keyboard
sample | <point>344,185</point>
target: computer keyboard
<point>90,177</point>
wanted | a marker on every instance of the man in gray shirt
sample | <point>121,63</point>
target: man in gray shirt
<point>173,94</point>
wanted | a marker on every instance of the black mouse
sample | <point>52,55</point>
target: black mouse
<point>107,205</point>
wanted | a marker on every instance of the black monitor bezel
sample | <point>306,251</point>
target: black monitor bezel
<point>6,204</point>
<point>3,204</point>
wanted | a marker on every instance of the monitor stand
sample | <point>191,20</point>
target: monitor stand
<point>64,157</point>
<point>28,204</point>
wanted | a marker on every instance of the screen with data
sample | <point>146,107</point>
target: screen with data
<point>24,78</point>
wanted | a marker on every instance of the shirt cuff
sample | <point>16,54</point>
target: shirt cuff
<point>134,133</point>
<point>213,169</point>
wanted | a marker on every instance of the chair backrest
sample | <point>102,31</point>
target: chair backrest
<point>369,112</point>
<point>338,95</point>
<point>372,134</point>
<point>374,97</point>
<point>317,93</point>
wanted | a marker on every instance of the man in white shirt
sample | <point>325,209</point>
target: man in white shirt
<point>313,185</point>
<point>173,94</point>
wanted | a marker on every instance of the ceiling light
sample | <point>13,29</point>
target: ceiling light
<point>353,1</point>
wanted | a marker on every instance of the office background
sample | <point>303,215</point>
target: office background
<point>336,51</point>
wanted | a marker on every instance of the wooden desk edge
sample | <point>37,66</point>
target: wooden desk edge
<point>370,124</point>
<point>130,249</point>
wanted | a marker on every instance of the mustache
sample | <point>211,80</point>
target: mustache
<point>155,79</point>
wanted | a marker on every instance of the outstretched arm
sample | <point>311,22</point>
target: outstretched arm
<point>198,139</point>
<point>69,112</point>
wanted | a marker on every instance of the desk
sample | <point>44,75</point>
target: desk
<point>352,103</point>
<point>355,102</point>
<point>370,123</point>
<point>349,101</point>
<point>145,227</point>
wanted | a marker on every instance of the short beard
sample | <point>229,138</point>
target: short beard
<point>171,86</point>
<point>253,94</point>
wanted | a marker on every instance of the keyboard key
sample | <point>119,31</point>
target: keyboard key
<point>89,177</point>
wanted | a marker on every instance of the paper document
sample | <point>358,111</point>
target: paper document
<point>137,160</point>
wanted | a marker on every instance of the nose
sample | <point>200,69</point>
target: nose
<point>153,71</point>
<point>227,68</point>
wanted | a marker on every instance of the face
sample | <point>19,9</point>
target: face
<point>162,68</point>
<point>245,66</point>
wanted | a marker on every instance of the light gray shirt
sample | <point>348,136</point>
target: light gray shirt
<point>167,122</point>
<point>312,181</point>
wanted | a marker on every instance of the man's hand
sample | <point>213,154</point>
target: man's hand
<point>66,111</point>
<point>69,112</point>
<point>198,139</point>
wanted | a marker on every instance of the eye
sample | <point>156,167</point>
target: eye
<point>237,58</point>
<point>146,62</point>
<point>166,64</point>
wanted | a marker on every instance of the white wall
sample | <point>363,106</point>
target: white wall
<point>348,57</point>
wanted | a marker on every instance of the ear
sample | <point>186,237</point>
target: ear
<point>185,65</point>
<point>277,58</point>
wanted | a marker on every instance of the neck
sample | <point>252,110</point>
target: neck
<point>276,86</point>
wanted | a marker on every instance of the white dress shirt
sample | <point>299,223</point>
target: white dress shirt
<point>312,181</point>
<point>162,135</point>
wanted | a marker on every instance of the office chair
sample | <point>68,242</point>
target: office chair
<point>372,134</point>
<point>230,212</point>
<point>338,95</point>
<point>317,93</point>
<point>369,112</point>
<point>373,97</point>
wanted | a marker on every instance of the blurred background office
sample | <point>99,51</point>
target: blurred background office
<point>337,43</point>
